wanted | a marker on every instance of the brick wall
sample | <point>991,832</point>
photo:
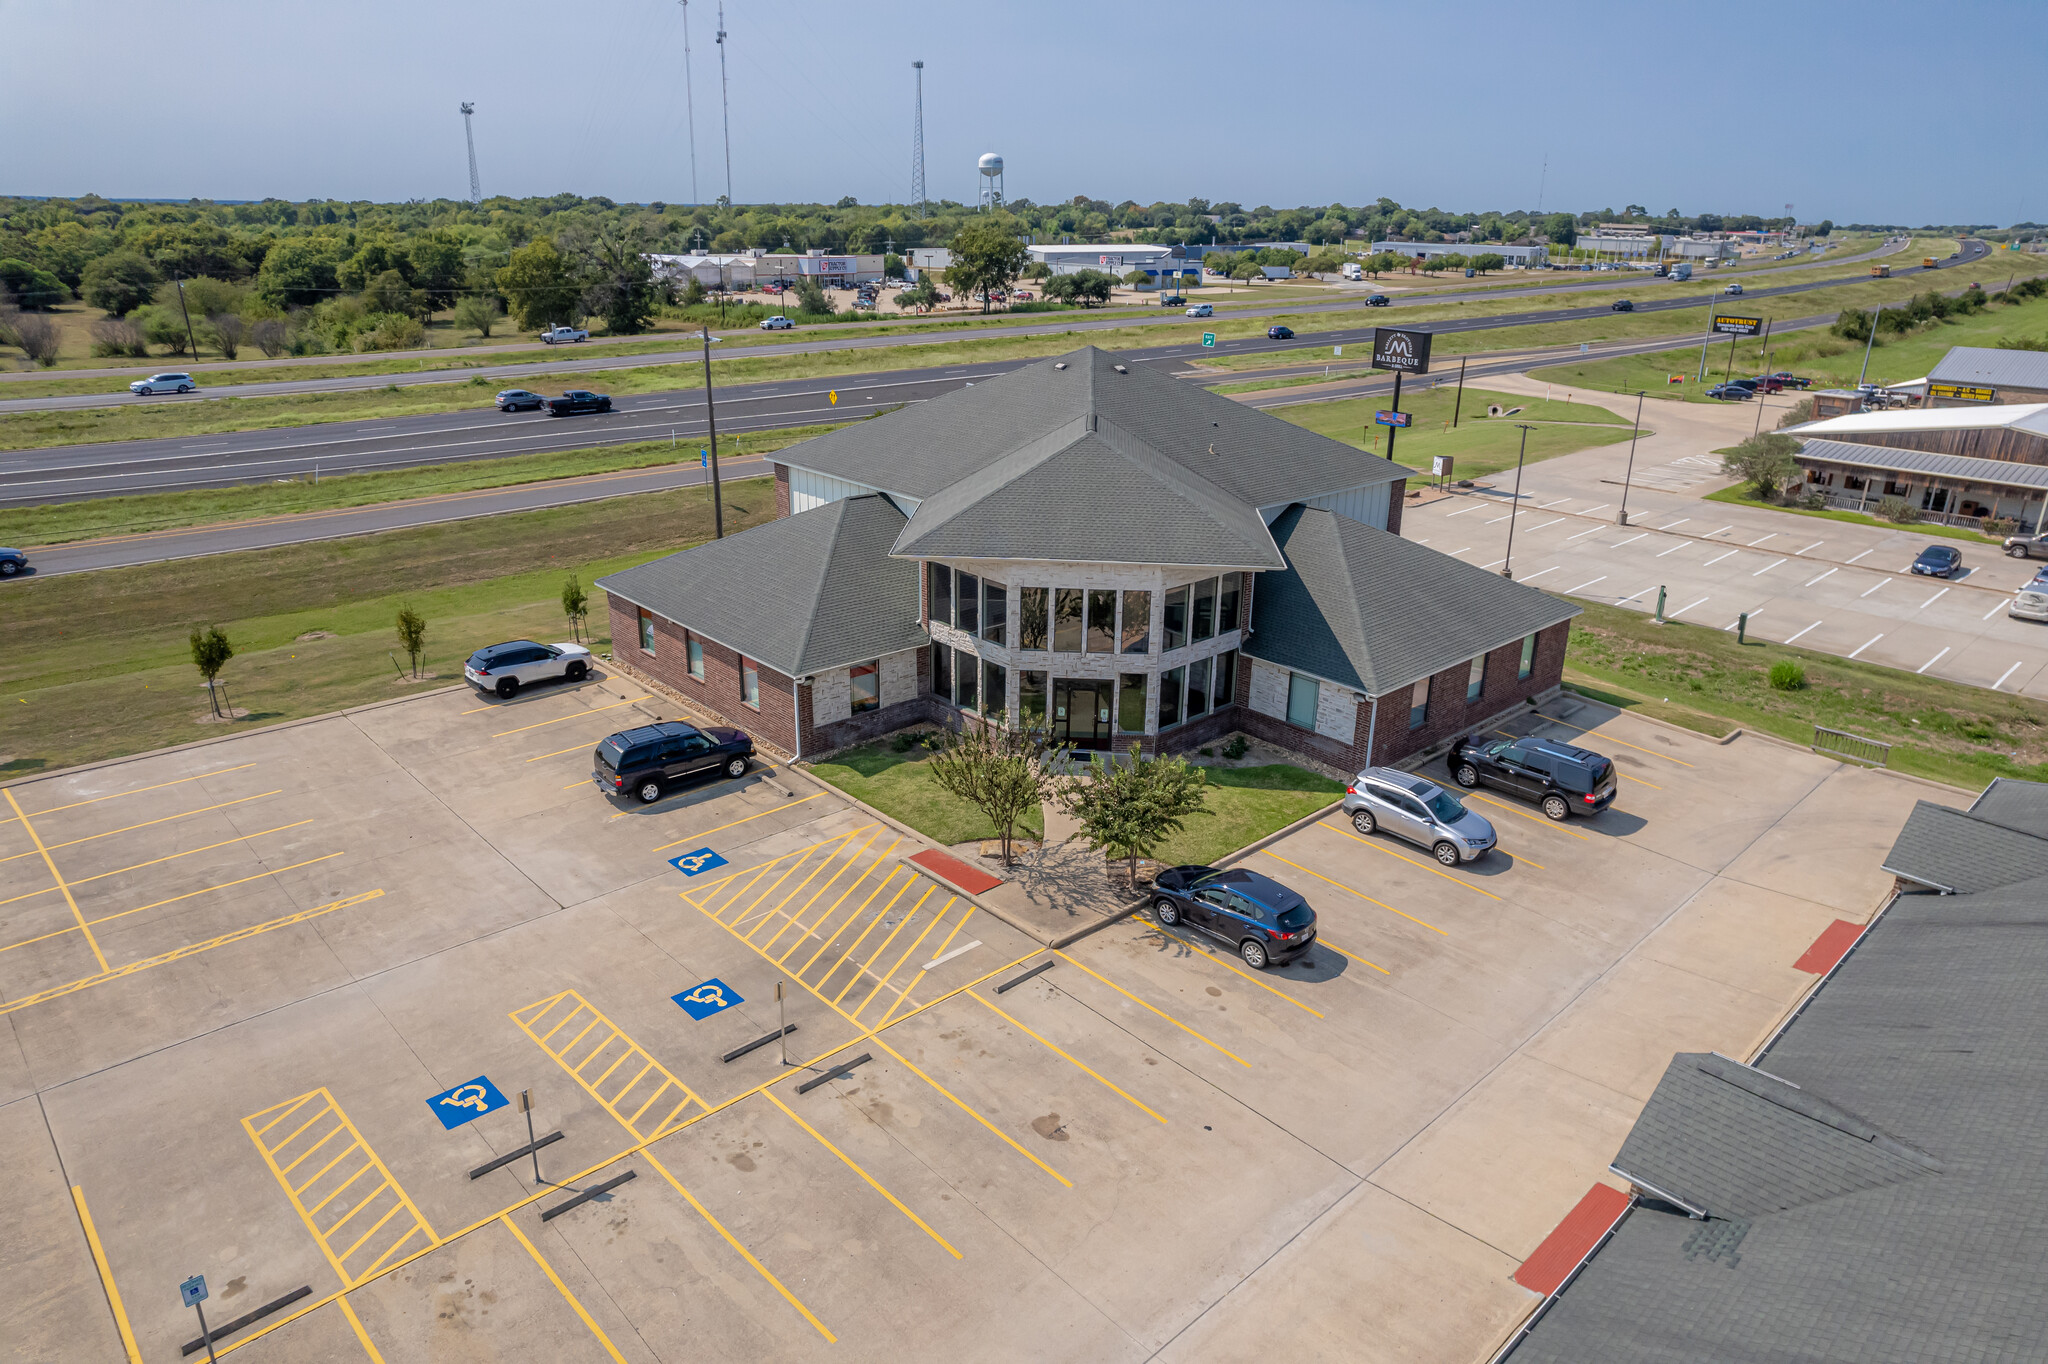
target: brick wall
<point>1397,497</point>
<point>718,691</point>
<point>781,490</point>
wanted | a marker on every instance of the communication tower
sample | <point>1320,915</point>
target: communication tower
<point>476,189</point>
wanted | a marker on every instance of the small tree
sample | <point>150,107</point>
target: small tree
<point>1128,811</point>
<point>988,255</point>
<point>810,297</point>
<point>477,313</point>
<point>210,653</point>
<point>1488,261</point>
<point>227,331</point>
<point>272,335</point>
<point>1765,461</point>
<point>412,635</point>
<point>1000,771</point>
<point>693,292</point>
<point>38,337</point>
<point>1137,279</point>
<point>575,605</point>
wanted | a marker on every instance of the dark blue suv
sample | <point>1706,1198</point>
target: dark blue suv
<point>1262,920</point>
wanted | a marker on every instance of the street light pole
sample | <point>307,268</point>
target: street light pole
<point>711,425</point>
<point>1622,519</point>
<point>1868,344</point>
<point>1507,569</point>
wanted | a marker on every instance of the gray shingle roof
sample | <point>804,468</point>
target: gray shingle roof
<point>1987,365</point>
<point>2016,804</point>
<point>1956,850</point>
<point>801,594</point>
<point>1249,456</point>
<point>2004,472</point>
<point>1368,609</point>
<point>1825,1246</point>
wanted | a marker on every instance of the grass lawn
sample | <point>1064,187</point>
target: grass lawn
<point>61,521</point>
<point>1739,496</point>
<point>900,785</point>
<point>1702,678</point>
<point>98,665</point>
<point>1480,445</point>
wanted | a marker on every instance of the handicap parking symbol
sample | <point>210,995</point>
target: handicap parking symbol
<point>713,996</point>
<point>466,1102</point>
<point>702,860</point>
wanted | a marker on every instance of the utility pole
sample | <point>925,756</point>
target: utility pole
<point>689,102</point>
<point>1704,343</point>
<point>711,424</point>
<point>1622,519</point>
<point>1458,404</point>
<point>194,343</point>
<point>1507,564</point>
<point>1868,344</point>
<point>725,104</point>
<point>917,144</point>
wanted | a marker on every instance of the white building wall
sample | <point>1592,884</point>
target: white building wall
<point>831,697</point>
<point>1337,712</point>
<point>899,677</point>
<point>808,490</point>
<point>1269,689</point>
<point>1366,505</point>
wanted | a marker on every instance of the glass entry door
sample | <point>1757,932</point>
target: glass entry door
<point>1080,713</point>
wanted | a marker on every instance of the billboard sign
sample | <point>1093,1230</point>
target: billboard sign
<point>1738,326</point>
<point>1405,352</point>
<point>1393,418</point>
<point>1967,393</point>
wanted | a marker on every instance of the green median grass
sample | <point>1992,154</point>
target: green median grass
<point>1702,678</point>
<point>1479,445</point>
<point>98,664</point>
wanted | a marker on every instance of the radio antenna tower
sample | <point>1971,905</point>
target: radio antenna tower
<point>724,103</point>
<point>476,189</point>
<point>689,101</point>
<point>917,145</point>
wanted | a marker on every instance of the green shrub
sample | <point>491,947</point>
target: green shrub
<point>1897,509</point>
<point>1787,676</point>
<point>1237,747</point>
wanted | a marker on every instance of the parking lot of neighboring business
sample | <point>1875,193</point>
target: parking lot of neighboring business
<point>275,998</point>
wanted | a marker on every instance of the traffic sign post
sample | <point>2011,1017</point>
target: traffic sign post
<point>192,1292</point>
<point>1209,340</point>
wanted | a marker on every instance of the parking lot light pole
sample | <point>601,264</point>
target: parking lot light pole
<point>1621,519</point>
<point>1507,567</point>
<point>711,424</point>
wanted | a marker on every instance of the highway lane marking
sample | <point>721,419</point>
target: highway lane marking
<point>1683,609</point>
<point>1718,558</point>
<point>2002,676</point>
<point>1796,637</point>
<point>1533,576</point>
<point>1573,591</point>
<point>1867,643</point>
<point>1996,608</point>
<point>1932,661</point>
<point>1631,540</point>
<point>1932,600</point>
<point>1766,568</point>
<point>1867,551</point>
<point>1810,548</point>
<point>1811,581</point>
<point>1880,583</point>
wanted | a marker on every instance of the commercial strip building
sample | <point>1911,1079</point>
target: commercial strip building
<point>1972,376</point>
<point>1870,1189</point>
<point>1954,464</point>
<point>745,270</point>
<point>1528,257</point>
<point>1173,263</point>
<point>1099,552</point>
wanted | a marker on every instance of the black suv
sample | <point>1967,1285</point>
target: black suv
<point>1559,777</point>
<point>644,760</point>
<point>1261,919</point>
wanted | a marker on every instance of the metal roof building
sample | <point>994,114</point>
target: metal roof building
<point>2014,376</point>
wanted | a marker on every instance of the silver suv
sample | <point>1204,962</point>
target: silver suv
<point>1419,811</point>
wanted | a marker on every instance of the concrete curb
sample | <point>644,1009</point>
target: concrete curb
<point>1313,817</point>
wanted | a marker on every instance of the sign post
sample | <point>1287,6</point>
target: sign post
<point>526,1107</point>
<point>1404,352</point>
<point>192,1292</point>
<point>782,1021</point>
<point>1209,340</point>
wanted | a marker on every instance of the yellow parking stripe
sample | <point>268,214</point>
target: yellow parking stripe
<point>563,1289</point>
<point>101,876</point>
<point>924,1226</point>
<point>99,1259</point>
<point>903,995</point>
<point>906,1061</point>
<point>1531,816</point>
<point>56,876</point>
<point>1359,893</point>
<point>1585,733</point>
<point>1352,955</point>
<point>356,1324</point>
<point>1021,1027</point>
<point>1227,965</point>
<point>593,710</point>
<point>219,771</point>
<point>530,1017</point>
<point>53,847</point>
<point>1413,862</point>
<point>897,965</point>
<point>1162,1013</point>
<point>825,940</point>
<point>876,956</point>
<point>736,823</point>
<point>744,1253</point>
<point>794,919</point>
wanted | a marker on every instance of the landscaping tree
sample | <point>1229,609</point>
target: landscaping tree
<point>478,314</point>
<point>412,634</point>
<point>541,285</point>
<point>210,653</point>
<point>1246,269</point>
<point>1488,261</point>
<point>987,256</point>
<point>621,286</point>
<point>1137,279</point>
<point>1127,810</point>
<point>1085,287</point>
<point>575,605</point>
<point>922,294</point>
<point>120,282</point>
<point>1766,461</point>
<point>1000,771</point>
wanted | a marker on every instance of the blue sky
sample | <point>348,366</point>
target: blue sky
<point>1872,111</point>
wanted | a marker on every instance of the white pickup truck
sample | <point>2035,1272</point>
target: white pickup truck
<point>556,335</point>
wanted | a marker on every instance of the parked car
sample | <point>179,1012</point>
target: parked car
<point>505,668</point>
<point>1731,392</point>
<point>12,561</point>
<point>777,323</point>
<point>1791,380</point>
<point>519,399</point>
<point>645,760</point>
<point>1279,333</point>
<point>1173,301</point>
<point>164,383</point>
<point>2031,601</point>
<point>1419,811</point>
<point>1731,289</point>
<point>1939,561</point>
<point>1262,921</point>
<point>1561,778</point>
<point>1201,310</point>
<point>1763,383</point>
<point>554,336</point>
<point>579,400</point>
<point>1377,300</point>
<point>1622,305</point>
<point>2027,546</point>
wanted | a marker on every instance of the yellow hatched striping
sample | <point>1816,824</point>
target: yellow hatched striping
<point>612,1068</point>
<point>360,1215</point>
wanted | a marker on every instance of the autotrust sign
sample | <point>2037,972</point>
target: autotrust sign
<point>1404,352</point>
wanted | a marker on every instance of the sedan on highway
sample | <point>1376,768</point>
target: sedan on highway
<point>1258,918</point>
<point>579,400</point>
<point>1279,333</point>
<point>1201,310</point>
<point>777,323</point>
<point>1622,305</point>
<point>12,561</point>
<point>519,400</point>
<point>164,383</point>
<point>1732,289</point>
<point>1939,561</point>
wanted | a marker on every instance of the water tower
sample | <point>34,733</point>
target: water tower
<point>991,166</point>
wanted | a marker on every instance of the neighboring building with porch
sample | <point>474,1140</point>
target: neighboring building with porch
<point>1159,262</point>
<point>1951,489</point>
<point>1098,551</point>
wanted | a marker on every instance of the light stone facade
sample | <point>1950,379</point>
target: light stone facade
<point>832,690</point>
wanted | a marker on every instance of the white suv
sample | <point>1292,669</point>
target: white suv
<point>505,668</point>
<point>163,383</point>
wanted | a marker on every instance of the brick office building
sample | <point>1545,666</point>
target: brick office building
<point>1098,551</point>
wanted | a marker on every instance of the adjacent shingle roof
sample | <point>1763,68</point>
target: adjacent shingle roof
<point>2006,473</point>
<point>1986,365</point>
<point>801,594</point>
<point>1247,455</point>
<point>2021,805</point>
<point>1367,609</point>
<point>1957,851</point>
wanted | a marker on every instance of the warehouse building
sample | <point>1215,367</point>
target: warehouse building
<point>1171,263</point>
<point>1527,257</point>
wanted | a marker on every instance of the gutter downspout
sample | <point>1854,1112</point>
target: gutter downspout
<point>1372,725</point>
<point>796,713</point>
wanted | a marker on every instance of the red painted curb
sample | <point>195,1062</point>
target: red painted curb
<point>973,880</point>
<point>1830,947</point>
<point>1571,1240</point>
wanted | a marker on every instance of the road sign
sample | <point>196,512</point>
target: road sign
<point>1967,393</point>
<point>703,459</point>
<point>1404,351</point>
<point>466,1103</point>
<point>834,396</point>
<point>1738,326</point>
<point>1674,378</point>
<point>192,1292</point>
<point>1440,466</point>
<point>1209,340</point>
<point>1585,347</point>
<point>693,864</point>
<point>1338,350</point>
<point>1393,418</point>
<point>713,996</point>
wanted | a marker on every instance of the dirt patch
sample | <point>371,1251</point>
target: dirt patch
<point>312,635</point>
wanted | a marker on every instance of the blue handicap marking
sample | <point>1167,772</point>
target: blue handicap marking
<point>713,996</point>
<point>466,1102</point>
<point>193,1291</point>
<point>702,860</point>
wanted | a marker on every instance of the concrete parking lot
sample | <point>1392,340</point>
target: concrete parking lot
<point>251,985</point>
